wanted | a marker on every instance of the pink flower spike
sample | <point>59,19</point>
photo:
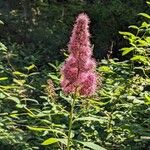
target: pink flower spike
<point>78,71</point>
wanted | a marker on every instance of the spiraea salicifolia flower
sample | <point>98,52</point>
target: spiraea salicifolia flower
<point>78,71</point>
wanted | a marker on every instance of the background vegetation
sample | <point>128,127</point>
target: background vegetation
<point>34,37</point>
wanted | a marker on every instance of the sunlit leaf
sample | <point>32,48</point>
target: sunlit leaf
<point>144,15</point>
<point>54,140</point>
<point>30,67</point>
<point>3,78</point>
<point>126,50</point>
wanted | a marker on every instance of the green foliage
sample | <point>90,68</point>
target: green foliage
<point>34,111</point>
<point>38,30</point>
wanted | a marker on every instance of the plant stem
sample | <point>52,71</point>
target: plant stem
<point>70,123</point>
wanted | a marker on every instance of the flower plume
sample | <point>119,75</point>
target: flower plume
<point>78,71</point>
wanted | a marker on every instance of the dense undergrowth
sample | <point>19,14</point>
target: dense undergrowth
<point>34,111</point>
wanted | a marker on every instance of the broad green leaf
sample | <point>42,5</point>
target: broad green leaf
<point>54,140</point>
<point>50,141</point>
<point>91,145</point>
<point>144,15</point>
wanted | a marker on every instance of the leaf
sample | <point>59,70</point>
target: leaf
<point>30,99</point>
<point>19,74</point>
<point>30,67</point>
<point>144,25</point>
<point>3,47</point>
<point>89,119</point>
<point>46,129</point>
<point>2,95</point>
<point>127,34</point>
<point>140,58</point>
<point>147,39</point>
<point>91,145</point>
<point>142,43</point>
<point>147,98</point>
<point>148,2</point>
<point>19,82</point>
<point>54,77</point>
<point>54,140</point>
<point>134,27</point>
<point>144,15</point>
<point>67,98</point>
<point>3,78</point>
<point>53,66</point>
<point>105,69</point>
<point>1,22</point>
<point>50,141</point>
<point>15,99</point>
<point>126,50</point>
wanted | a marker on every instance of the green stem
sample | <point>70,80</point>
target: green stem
<point>70,123</point>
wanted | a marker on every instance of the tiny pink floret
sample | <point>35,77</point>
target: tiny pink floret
<point>79,69</point>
